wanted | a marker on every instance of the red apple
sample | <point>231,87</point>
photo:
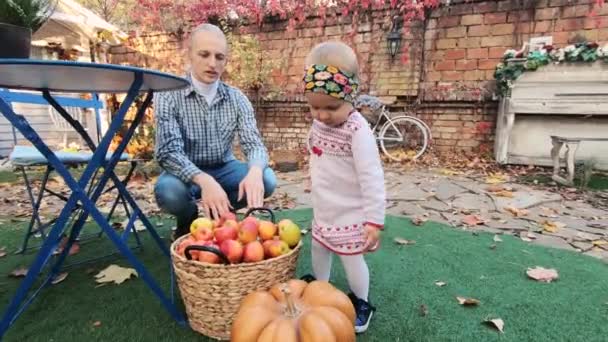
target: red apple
<point>231,223</point>
<point>225,233</point>
<point>203,234</point>
<point>248,231</point>
<point>228,216</point>
<point>209,257</point>
<point>267,230</point>
<point>253,252</point>
<point>251,219</point>
<point>185,243</point>
<point>278,247</point>
<point>266,245</point>
<point>233,250</point>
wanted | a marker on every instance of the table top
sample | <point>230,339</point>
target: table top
<point>68,76</point>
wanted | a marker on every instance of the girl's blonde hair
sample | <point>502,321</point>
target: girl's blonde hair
<point>336,54</point>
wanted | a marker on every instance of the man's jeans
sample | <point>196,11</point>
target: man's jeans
<point>179,199</point>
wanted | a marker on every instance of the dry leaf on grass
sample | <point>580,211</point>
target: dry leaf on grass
<point>467,301</point>
<point>473,220</point>
<point>115,273</point>
<point>18,272</point>
<point>402,241</point>
<point>2,252</point>
<point>548,212</point>
<point>420,220</point>
<point>448,172</point>
<point>497,323</point>
<point>423,310</point>
<point>59,278</point>
<point>516,212</point>
<point>505,193</point>
<point>527,236</point>
<point>551,226</point>
<point>497,238</point>
<point>137,225</point>
<point>542,274</point>
<point>440,283</point>
<point>97,324</point>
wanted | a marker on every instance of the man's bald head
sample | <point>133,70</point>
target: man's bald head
<point>207,51</point>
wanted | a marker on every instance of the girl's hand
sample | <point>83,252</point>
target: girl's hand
<point>372,238</point>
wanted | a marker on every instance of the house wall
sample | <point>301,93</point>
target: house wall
<point>449,71</point>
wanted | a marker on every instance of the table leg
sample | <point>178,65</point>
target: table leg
<point>557,146</point>
<point>78,194</point>
<point>571,148</point>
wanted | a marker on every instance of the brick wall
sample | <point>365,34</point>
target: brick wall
<point>450,70</point>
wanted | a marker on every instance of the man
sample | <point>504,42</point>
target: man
<point>195,130</point>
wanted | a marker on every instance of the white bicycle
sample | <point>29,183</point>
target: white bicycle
<point>401,137</point>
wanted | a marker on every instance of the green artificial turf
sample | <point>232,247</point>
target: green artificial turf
<point>574,308</point>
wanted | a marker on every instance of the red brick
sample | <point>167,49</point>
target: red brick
<point>473,19</point>
<point>596,22</point>
<point>547,13</point>
<point>445,65</point>
<point>451,76</point>
<point>495,18</point>
<point>456,32</point>
<point>497,41</point>
<point>438,55</point>
<point>470,42</point>
<point>488,64</point>
<point>481,53</point>
<point>570,24</point>
<point>466,64</point>
<point>519,16</point>
<point>446,43</point>
<point>497,52</point>
<point>474,75</point>
<point>490,75</point>
<point>560,38</point>
<point>455,54</point>
<point>487,6</point>
<point>479,31</point>
<point>603,35</point>
<point>523,28</point>
<point>448,21</point>
<point>433,76</point>
<point>501,29</point>
<point>542,26</point>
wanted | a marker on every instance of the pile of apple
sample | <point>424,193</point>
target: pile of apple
<point>250,240</point>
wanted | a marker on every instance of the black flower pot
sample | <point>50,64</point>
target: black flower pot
<point>16,41</point>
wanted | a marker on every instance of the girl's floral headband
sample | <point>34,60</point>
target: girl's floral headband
<point>330,80</point>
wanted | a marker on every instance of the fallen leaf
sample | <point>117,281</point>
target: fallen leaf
<point>551,226</point>
<point>2,252</point>
<point>137,225</point>
<point>542,274</point>
<point>117,225</point>
<point>548,212</point>
<point>440,283</point>
<point>496,178</point>
<point>599,242</point>
<point>115,273</point>
<point>304,231</point>
<point>18,272</point>
<point>516,212</point>
<point>493,246</point>
<point>97,324</point>
<point>159,223</point>
<point>402,241</point>
<point>497,238</point>
<point>497,323</point>
<point>467,301</point>
<point>419,220</point>
<point>448,172</point>
<point>495,188</point>
<point>59,278</point>
<point>473,220</point>
<point>423,310</point>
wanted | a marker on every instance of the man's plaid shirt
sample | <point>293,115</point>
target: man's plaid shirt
<point>190,135</point>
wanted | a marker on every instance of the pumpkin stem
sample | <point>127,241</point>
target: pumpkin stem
<point>292,310</point>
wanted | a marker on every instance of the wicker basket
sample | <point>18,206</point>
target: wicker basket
<point>212,293</point>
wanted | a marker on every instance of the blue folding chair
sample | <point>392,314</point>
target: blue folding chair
<point>24,157</point>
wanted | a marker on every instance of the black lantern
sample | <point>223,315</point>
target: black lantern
<point>393,42</point>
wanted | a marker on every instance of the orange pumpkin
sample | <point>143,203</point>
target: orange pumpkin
<point>295,311</point>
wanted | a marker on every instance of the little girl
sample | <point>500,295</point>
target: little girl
<point>348,193</point>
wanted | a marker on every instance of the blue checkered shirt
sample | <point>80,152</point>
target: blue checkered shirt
<point>191,135</point>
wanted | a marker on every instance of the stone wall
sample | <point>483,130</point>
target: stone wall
<point>449,72</point>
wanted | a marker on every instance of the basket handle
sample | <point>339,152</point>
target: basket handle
<point>252,210</point>
<point>205,249</point>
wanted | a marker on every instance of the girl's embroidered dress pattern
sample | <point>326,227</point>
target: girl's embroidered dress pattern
<point>347,184</point>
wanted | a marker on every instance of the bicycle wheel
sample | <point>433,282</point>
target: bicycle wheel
<point>403,138</point>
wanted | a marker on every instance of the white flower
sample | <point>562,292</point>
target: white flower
<point>600,52</point>
<point>570,48</point>
<point>510,53</point>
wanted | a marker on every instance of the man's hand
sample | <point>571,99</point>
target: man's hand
<point>214,199</point>
<point>252,186</point>
<point>372,237</point>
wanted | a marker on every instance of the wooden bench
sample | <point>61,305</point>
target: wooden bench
<point>571,146</point>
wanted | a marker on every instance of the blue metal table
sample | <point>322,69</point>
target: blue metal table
<point>63,76</point>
